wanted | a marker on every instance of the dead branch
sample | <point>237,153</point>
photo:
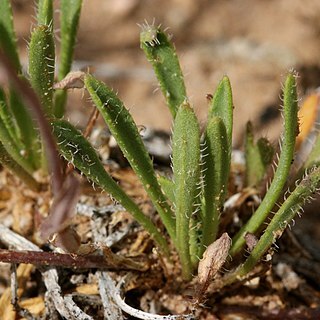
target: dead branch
<point>50,277</point>
<point>54,259</point>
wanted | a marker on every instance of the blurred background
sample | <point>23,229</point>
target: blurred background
<point>254,42</point>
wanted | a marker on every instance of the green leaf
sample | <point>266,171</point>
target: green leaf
<point>186,177</point>
<point>8,120</point>
<point>125,131</point>
<point>7,161</point>
<point>76,149</point>
<point>216,168</point>
<point>41,65</point>
<point>13,149</point>
<point>306,188</point>
<point>290,111</point>
<point>26,129</point>
<point>258,157</point>
<point>7,34</point>
<point>45,13</point>
<point>167,186</point>
<point>162,55</point>
<point>221,106</point>
<point>69,20</point>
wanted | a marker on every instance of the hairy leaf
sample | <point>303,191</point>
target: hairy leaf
<point>76,149</point>
<point>126,133</point>
<point>162,55</point>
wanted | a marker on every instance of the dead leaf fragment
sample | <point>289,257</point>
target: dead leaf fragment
<point>251,240</point>
<point>72,80</point>
<point>213,259</point>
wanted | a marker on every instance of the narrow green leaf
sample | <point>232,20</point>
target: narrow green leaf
<point>7,161</point>
<point>41,65</point>
<point>125,131</point>
<point>9,144</point>
<point>186,170</point>
<point>76,149</point>
<point>167,186</point>
<point>258,157</point>
<point>221,105</point>
<point>69,20</point>
<point>8,120</point>
<point>162,55</point>
<point>216,168</point>
<point>45,13</point>
<point>280,177</point>
<point>7,34</point>
<point>26,129</point>
<point>285,215</point>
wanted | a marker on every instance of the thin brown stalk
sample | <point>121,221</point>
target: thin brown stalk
<point>53,259</point>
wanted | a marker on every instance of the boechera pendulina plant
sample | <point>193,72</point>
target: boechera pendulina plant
<point>191,202</point>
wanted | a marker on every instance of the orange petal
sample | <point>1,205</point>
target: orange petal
<point>307,117</point>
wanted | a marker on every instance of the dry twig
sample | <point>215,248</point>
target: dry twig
<point>116,295</point>
<point>111,309</point>
<point>53,259</point>
<point>50,277</point>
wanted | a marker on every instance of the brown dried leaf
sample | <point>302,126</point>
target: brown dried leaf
<point>251,240</point>
<point>213,259</point>
<point>72,80</point>
<point>68,240</point>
